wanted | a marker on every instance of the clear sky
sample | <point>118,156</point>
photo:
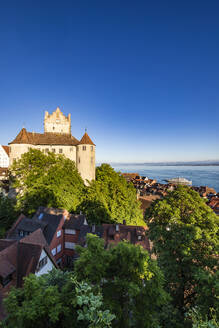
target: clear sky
<point>141,76</point>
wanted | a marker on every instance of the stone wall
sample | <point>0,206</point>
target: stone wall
<point>57,122</point>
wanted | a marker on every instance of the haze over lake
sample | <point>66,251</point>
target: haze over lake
<point>200,175</point>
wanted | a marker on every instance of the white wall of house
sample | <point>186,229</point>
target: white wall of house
<point>46,268</point>
<point>4,158</point>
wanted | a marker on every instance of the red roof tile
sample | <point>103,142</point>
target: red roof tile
<point>86,140</point>
<point>47,138</point>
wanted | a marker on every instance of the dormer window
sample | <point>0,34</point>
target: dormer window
<point>21,233</point>
<point>5,280</point>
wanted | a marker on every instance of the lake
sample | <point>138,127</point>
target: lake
<point>200,175</point>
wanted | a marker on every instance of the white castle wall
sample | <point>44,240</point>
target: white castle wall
<point>86,162</point>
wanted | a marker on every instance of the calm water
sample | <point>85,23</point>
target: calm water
<point>200,175</point>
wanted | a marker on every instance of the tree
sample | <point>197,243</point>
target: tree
<point>56,300</point>
<point>7,214</point>
<point>46,180</point>
<point>131,282</point>
<point>110,198</point>
<point>184,230</point>
<point>199,322</point>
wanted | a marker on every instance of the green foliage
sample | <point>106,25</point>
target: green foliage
<point>46,180</point>
<point>56,300</point>
<point>131,282</point>
<point>7,214</point>
<point>111,199</point>
<point>199,322</point>
<point>184,232</point>
<point>91,307</point>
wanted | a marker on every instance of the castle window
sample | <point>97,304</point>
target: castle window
<point>84,147</point>
<point>60,151</point>
<point>53,128</point>
<point>53,150</point>
<point>79,160</point>
<point>46,150</point>
<point>91,148</point>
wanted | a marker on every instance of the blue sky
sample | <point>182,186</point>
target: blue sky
<point>141,76</point>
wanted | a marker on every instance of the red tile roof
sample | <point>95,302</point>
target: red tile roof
<point>47,138</point>
<point>86,140</point>
<point>23,256</point>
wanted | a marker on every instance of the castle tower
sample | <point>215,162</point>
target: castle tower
<point>57,122</point>
<point>86,158</point>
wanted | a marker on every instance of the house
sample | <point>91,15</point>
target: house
<point>63,231</point>
<point>4,180</point>
<point>71,235</point>
<point>214,204</point>
<point>115,233</point>
<point>4,156</point>
<point>19,258</point>
<point>50,221</point>
<point>76,228</point>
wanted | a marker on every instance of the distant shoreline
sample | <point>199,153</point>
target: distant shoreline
<point>163,164</point>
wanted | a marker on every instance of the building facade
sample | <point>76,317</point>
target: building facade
<point>57,138</point>
<point>4,156</point>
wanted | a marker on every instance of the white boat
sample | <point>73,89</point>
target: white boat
<point>179,180</point>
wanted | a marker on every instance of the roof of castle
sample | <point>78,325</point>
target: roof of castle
<point>48,138</point>
<point>86,140</point>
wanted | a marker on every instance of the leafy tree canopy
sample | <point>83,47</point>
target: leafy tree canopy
<point>7,213</point>
<point>110,198</point>
<point>56,300</point>
<point>184,232</point>
<point>46,180</point>
<point>131,282</point>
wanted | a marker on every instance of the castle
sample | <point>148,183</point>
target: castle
<point>57,138</point>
